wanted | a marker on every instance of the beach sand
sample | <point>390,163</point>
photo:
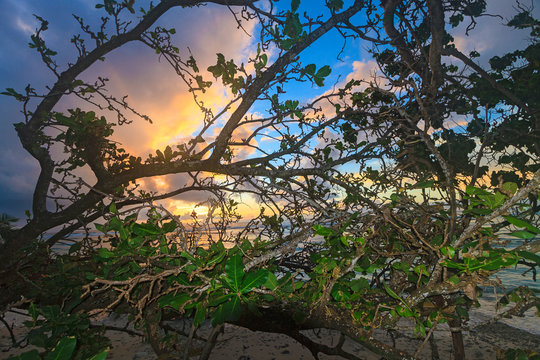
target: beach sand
<point>237,343</point>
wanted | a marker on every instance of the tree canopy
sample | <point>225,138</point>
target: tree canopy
<point>383,197</point>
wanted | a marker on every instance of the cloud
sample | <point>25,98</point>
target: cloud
<point>17,178</point>
<point>24,26</point>
<point>363,70</point>
<point>155,89</point>
<point>19,182</point>
<point>491,36</point>
<point>21,16</point>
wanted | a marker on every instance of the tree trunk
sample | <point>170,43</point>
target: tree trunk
<point>457,339</point>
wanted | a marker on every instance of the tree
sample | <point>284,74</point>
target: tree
<point>412,234</point>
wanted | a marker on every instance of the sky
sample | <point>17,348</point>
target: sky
<point>155,90</point>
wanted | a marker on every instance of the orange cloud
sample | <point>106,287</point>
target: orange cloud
<point>248,207</point>
<point>181,118</point>
<point>156,90</point>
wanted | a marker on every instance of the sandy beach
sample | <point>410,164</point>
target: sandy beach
<point>237,343</point>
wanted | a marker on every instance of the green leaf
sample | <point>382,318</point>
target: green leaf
<point>310,69</point>
<point>463,312</point>
<point>523,234</point>
<point>174,301</point>
<point>324,71</point>
<point>254,280</point>
<point>322,230</point>
<point>229,311</point>
<point>146,229</point>
<point>287,44</point>
<point>521,223</point>
<point>105,253</point>
<point>359,284</point>
<point>421,270</point>
<point>33,311</point>
<point>423,184</point>
<point>115,224</point>
<point>335,4</point>
<point>391,292</point>
<point>437,240</point>
<point>448,251</point>
<point>510,187</point>
<point>190,257</point>
<point>63,350</point>
<point>37,338</point>
<point>216,259</point>
<point>29,355</point>
<point>168,153</point>
<point>271,281</point>
<point>234,268</point>
<point>101,356</point>
<point>74,248</point>
<point>200,315</point>
<point>403,311</point>
<point>294,5</point>
<point>471,190</point>
<point>530,256</point>
<point>169,227</point>
<point>493,201</point>
<point>420,329</point>
<point>101,228</point>
<point>293,27</point>
<point>112,208</point>
<point>215,301</point>
<point>15,94</point>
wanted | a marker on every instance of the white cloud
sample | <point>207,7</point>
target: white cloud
<point>491,36</point>
<point>24,26</point>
